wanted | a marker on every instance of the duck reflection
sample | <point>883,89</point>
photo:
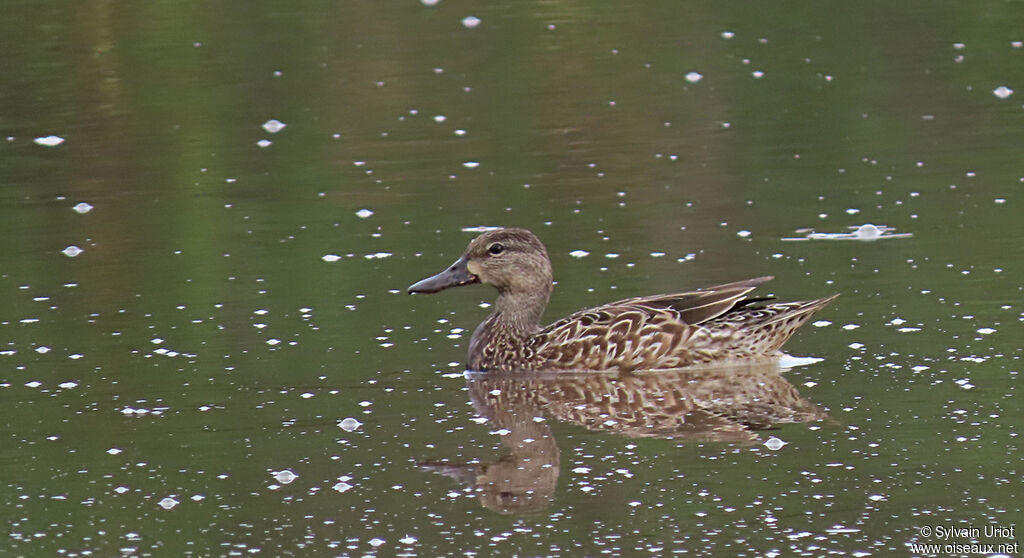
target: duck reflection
<point>721,404</point>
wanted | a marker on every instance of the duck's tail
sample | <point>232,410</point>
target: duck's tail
<point>762,330</point>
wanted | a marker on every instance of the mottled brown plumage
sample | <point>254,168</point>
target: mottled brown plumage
<point>643,333</point>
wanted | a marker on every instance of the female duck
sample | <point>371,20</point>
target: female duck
<point>643,333</point>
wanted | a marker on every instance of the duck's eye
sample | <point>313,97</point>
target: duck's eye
<point>496,249</point>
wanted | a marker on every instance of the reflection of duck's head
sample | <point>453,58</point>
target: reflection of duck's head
<point>510,485</point>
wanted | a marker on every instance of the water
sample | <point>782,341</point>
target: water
<point>226,362</point>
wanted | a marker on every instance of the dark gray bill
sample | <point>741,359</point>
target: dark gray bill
<point>456,275</point>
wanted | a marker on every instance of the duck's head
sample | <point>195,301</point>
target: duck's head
<point>511,260</point>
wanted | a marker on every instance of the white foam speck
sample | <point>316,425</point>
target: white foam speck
<point>1002,91</point>
<point>470,22</point>
<point>49,141</point>
<point>364,213</point>
<point>330,258</point>
<point>579,253</point>
<point>694,77</point>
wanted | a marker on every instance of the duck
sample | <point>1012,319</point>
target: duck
<point>718,324</point>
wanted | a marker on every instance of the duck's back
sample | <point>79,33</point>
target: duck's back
<point>665,331</point>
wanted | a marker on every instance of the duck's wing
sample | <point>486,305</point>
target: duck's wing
<point>698,306</point>
<point>636,333</point>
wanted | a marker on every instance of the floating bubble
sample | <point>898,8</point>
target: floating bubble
<point>470,22</point>
<point>364,213</point>
<point>285,477</point>
<point>72,251</point>
<point>349,424</point>
<point>82,208</point>
<point>693,77</point>
<point>274,126</point>
<point>774,443</point>
<point>167,503</point>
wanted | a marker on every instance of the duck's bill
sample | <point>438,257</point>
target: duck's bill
<point>456,275</point>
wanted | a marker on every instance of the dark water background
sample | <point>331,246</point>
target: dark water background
<point>154,387</point>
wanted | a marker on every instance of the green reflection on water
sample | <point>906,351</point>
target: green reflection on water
<point>196,228</point>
